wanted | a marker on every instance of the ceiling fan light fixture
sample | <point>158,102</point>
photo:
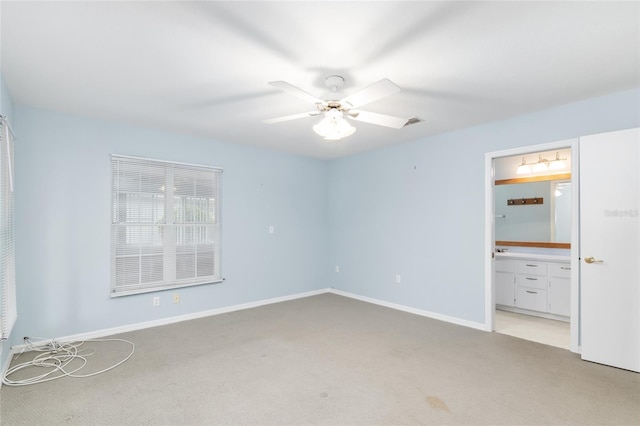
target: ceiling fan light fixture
<point>333,126</point>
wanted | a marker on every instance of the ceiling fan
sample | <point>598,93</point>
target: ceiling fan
<point>334,126</point>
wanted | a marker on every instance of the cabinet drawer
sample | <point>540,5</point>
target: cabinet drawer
<point>531,268</point>
<point>505,266</point>
<point>533,299</point>
<point>535,281</point>
<point>562,270</point>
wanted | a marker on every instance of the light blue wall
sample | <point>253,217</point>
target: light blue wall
<point>6,109</point>
<point>6,101</point>
<point>63,179</point>
<point>417,209</point>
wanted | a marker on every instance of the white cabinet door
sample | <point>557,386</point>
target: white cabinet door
<point>610,243</point>
<point>505,288</point>
<point>505,282</point>
<point>559,291</point>
<point>559,296</point>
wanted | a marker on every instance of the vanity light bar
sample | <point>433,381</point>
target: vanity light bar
<point>542,165</point>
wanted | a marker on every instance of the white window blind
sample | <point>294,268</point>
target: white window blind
<point>166,229</point>
<point>8,308</point>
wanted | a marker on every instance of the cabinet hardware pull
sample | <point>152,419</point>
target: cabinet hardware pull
<point>532,279</point>
<point>532,292</point>
<point>532,266</point>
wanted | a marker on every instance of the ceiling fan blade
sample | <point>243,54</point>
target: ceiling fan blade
<point>291,117</point>
<point>295,91</point>
<point>379,119</point>
<point>378,90</point>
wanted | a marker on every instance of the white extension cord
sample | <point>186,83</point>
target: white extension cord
<point>55,357</point>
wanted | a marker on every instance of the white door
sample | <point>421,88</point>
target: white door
<point>610,248</point>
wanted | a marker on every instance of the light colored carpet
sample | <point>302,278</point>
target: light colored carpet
<point>331,360</point>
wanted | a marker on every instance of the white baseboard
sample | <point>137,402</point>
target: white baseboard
<point>533,313</point>
<point>428,314</point>
<point>171,320</point>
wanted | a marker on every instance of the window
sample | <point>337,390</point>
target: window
<point>8,310</point>
<point>165,225</point>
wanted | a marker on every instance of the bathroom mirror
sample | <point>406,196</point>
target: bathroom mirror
<point>533,213</point>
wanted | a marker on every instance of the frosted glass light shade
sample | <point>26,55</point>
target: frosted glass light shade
<point>557,163</point>
<point>333,126</point>
<point>523,168</point>
<point>540,167</point>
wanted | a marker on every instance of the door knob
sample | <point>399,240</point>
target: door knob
<point>591,259</point>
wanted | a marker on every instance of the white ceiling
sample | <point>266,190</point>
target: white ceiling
<point>202,68</point>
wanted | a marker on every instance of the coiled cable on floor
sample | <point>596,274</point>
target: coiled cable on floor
<point>55,358</point>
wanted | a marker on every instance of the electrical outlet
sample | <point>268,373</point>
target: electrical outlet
<point>398,278</point>
<point>176,298</point>
<point>337,268</point>
<point>156,301</point>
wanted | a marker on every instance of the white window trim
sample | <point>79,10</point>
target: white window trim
<point>169,229</point>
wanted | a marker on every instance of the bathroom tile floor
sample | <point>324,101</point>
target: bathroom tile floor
<point>541,330</point>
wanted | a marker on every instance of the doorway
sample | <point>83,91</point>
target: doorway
<point>525,311</point>
<point>550,332</point>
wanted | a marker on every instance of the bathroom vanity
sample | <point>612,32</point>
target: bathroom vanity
<point>533,284</point>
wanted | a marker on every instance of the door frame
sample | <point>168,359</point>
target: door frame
<point>489,231</point>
